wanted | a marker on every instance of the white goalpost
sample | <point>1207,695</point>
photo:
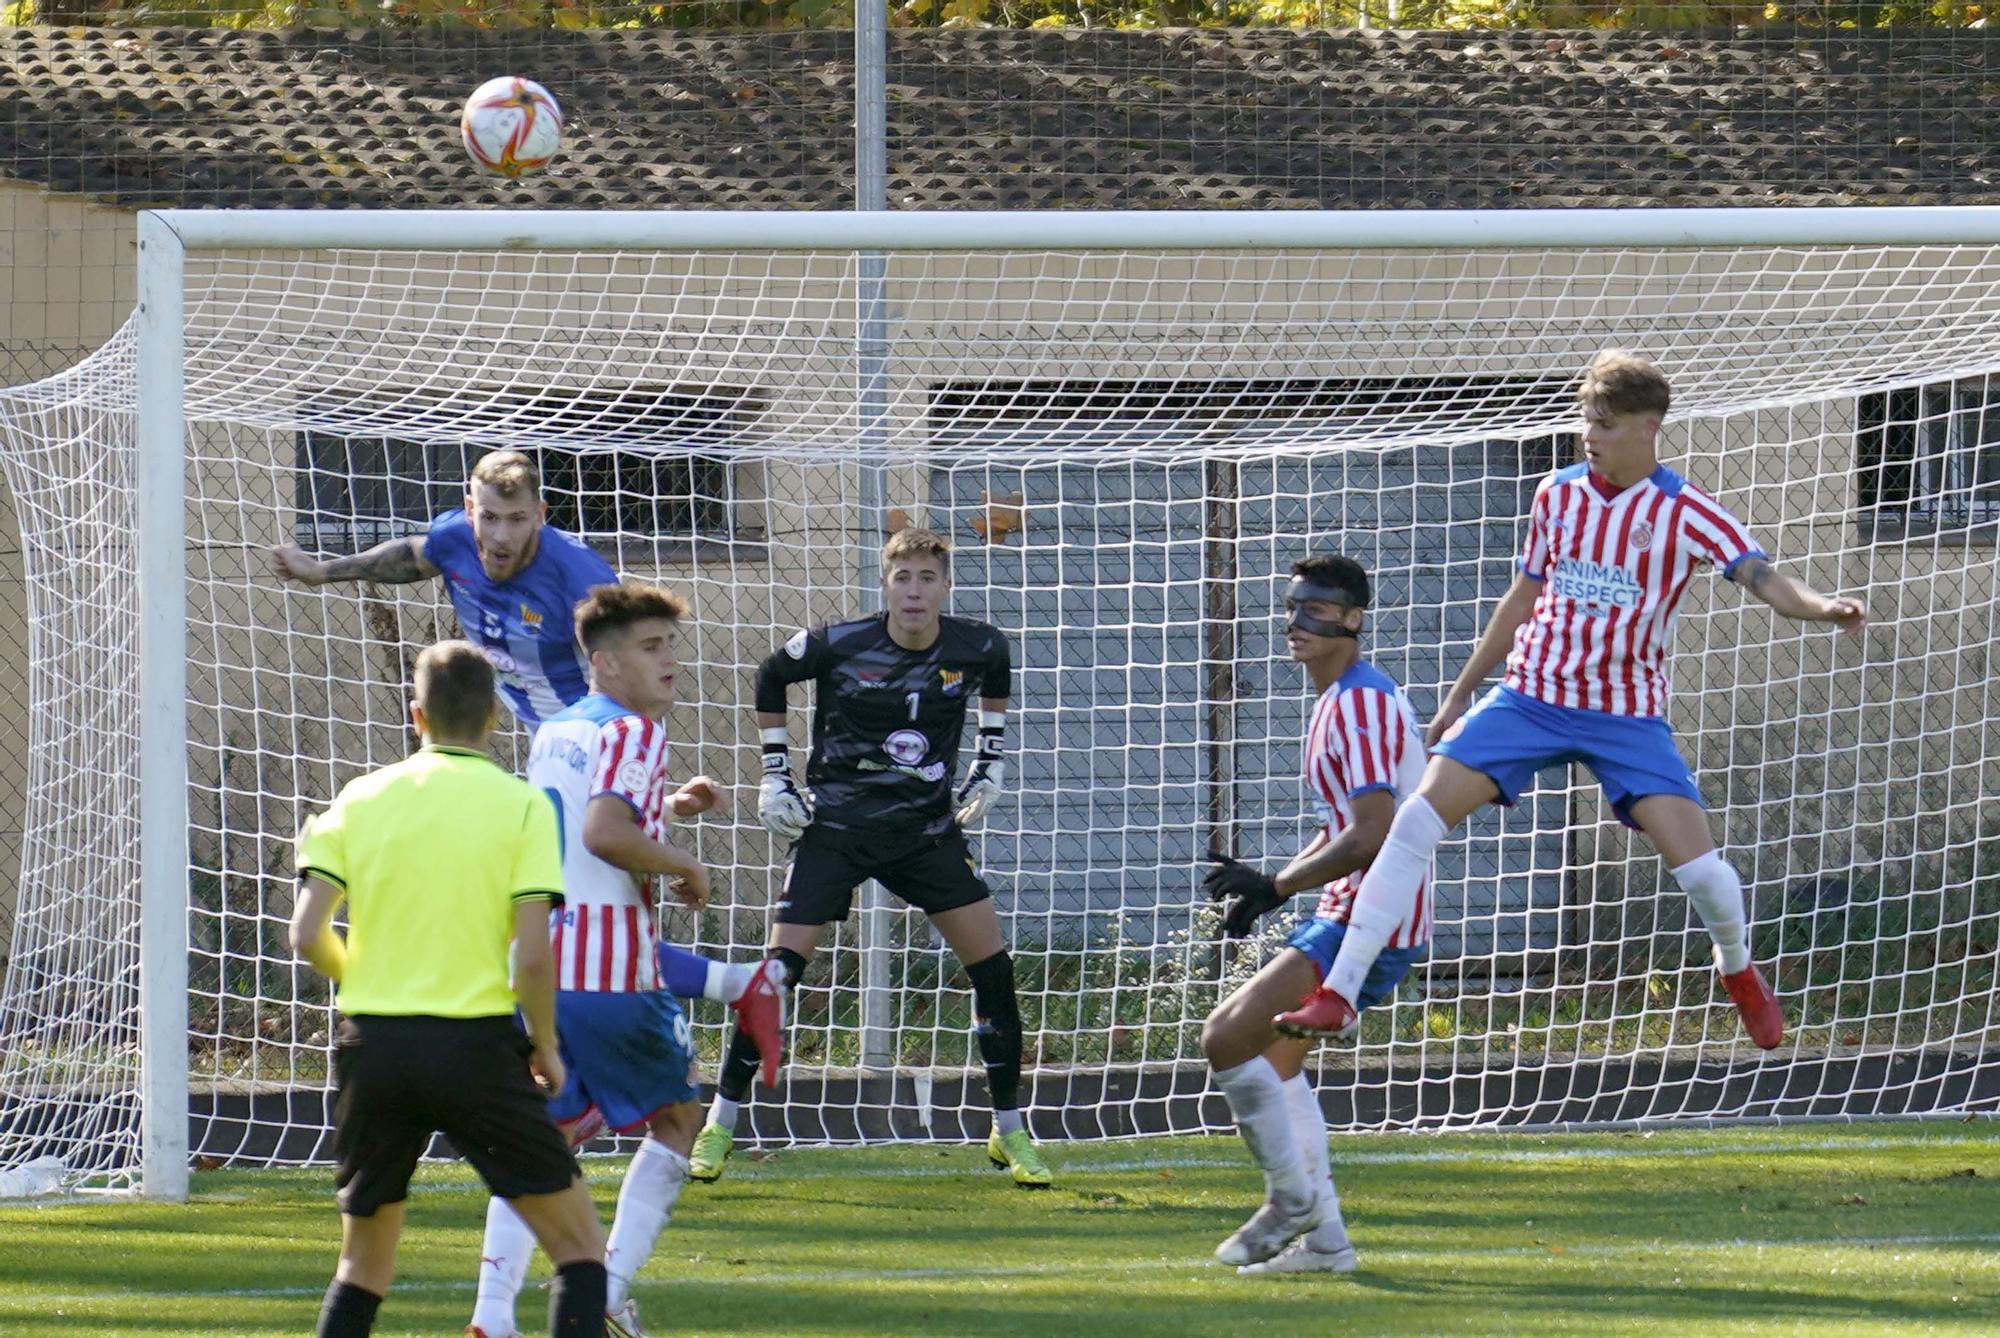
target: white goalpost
<point>1129,424</point>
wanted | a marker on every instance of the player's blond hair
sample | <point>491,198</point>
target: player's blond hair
<point>1621,382</point>
<point>916,542</point>
<point>611,608</point>
<point>510,473</point>
<point>454,686</point>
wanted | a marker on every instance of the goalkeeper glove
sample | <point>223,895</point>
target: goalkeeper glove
<point>781,807</point>
<point>988,773</point>
<point>1248,890</point>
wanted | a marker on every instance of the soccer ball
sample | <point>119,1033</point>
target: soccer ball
<point>511,126</point>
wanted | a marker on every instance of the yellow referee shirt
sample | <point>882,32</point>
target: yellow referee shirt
<point>433,852</point>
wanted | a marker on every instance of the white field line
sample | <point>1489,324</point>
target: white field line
<point>1654,1249</point>
<point>1070,1159</point>
<point>1067,1159</point>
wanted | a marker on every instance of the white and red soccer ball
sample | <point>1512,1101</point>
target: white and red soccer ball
<point>511,126</point>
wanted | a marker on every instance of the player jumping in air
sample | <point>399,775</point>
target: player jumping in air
<point>515,581</point>
<point>891,693</point>
<point>1612,544</point>
<point>1363,753</point>
<point>625,1041</point>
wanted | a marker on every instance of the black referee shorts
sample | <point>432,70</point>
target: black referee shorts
<point>401,1079</point>
<point>933,873</point>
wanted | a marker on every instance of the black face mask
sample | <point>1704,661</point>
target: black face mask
<point>1302,591</point>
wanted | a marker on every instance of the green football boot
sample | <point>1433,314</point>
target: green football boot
<point>1016,1152</point>
<point>711,1149</point>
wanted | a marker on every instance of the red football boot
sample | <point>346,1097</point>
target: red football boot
<point>1323,1014</point>
<point>1757,1006</point>
<point>760,1011</point>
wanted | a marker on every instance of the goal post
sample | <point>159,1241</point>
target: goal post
<point>161,551</point>
<point>1130,422</point>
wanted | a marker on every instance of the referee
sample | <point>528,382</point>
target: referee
<point>445,860</point>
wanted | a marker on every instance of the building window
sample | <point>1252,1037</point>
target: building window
<point>626,471</point>
<point>1928,461</point>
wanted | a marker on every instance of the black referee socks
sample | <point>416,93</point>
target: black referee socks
<point>347,1312</point>
<point>576,1300</point>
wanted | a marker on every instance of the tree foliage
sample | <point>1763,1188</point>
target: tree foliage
<point>739,15</point>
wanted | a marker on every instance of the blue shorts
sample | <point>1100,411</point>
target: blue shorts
<point>1320,940</point>
<point>629,1056</point>
<point>1510,736</point>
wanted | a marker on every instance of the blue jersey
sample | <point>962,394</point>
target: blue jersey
<point>526,624</point>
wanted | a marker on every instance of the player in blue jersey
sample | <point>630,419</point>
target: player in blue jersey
<point>515,581</point>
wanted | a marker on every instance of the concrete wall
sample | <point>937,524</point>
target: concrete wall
<point>67,278</point>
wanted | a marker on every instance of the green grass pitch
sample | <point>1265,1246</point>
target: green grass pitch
<point>1847,1229</point>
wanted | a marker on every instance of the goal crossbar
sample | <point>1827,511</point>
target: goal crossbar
<point>1056,229</point>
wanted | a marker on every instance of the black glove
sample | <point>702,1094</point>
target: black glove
<point>1249,892</point>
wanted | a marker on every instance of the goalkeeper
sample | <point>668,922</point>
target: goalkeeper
<point>515,582</point>
<point>1363,753</point>
<point>891,694</point>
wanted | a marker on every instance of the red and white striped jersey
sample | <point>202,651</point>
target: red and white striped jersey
<point>1364,737</point>
<point>1613,570</point>
<point>604,931</point>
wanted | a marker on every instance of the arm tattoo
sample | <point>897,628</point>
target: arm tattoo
<point>1755,574</point>
<point>397,562</point>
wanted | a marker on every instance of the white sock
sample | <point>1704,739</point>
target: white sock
<point>722,1111</point>
<point>1264,1118</point>
<point>1387,894</point>
<point>1309,1132</point>
<point>1716,894</point>
<point>645,1202</point>
<point>504,1256</point>
<point>726,981</point>
<point>1007,1121</point>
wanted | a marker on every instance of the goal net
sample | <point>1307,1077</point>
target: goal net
<point>1129,437</point>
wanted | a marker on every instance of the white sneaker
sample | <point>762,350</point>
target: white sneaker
<point>1269,1230</point>
<point>623,1322</point>
<point>1302,1256</point>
